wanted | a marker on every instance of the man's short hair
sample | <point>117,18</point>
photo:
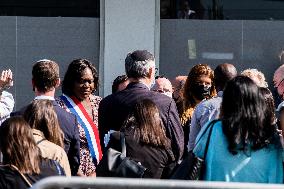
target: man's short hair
<point>45,75</point>
<point>138,63</point>
<point>117,81</point>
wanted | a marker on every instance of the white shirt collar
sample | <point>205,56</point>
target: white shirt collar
<point>43,97</point>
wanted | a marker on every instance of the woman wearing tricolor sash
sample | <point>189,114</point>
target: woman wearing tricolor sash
<point>79,84</point>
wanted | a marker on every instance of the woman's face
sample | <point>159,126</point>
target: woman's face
<point>85,85</point>
<point>201,87</point>
<point>204,80</point>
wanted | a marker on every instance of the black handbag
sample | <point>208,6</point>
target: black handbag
<point>116,164</point>
<point>192,167</point>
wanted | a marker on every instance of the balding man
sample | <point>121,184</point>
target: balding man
<point>208,110</point>
<point>164,86</point>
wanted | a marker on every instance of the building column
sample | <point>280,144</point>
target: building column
<point>125,26</point>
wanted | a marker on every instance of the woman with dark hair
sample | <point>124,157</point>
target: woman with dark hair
<point>146,140</point>
<point>47,133</point>
<point>198,86</point>
<point>21,156</point>
<point>244,145</point>
<point>78,86</point>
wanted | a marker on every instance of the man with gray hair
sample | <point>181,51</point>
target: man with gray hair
<point>114,109</point>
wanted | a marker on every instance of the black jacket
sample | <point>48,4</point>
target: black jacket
<point>12,179</point>
<point>158,161</point>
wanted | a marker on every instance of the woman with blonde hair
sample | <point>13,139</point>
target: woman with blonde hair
<point>257,76</point>
<point>47,132</point>
<point>198,86</point>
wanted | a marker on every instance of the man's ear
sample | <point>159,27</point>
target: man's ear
<point>58,82</point>
<point>151,72</point>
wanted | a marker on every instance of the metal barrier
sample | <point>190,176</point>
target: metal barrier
<point>123,183</point>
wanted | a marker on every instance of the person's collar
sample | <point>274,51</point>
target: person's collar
<point>44,97</point>
<point>143,81</point>
<point>137,84</point>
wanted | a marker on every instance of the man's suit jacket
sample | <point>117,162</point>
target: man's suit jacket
<point>114,109</point>
<point>69,125</point>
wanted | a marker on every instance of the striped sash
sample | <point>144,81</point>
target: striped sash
<point>91,130</point>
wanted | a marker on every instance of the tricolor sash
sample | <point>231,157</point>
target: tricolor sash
<point>91,130</point>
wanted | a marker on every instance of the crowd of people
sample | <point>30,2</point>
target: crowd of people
<point>162,122</point>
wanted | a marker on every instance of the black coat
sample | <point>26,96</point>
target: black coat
<point>158,161</point>
<point>114,109</point>
<point>11,179</point>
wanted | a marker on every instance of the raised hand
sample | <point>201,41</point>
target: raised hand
<point>6,79</point>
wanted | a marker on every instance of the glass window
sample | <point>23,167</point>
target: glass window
<point>223,9</point>
<point>50,8</point>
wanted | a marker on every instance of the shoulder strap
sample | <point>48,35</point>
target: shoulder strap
<point>22,175</point>
<point>122,142</point>
<point>210,128</point>
<point>59,169</point>
<point>40,141</point>
<point>208,138</point>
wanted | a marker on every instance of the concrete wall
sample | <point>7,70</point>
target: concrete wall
<point>246,44</point>
<point>24,40</point>
<point>183,43</point>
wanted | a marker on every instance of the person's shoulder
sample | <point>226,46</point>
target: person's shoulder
<point>95,99</point>
<point>19,112</point>
<point>6,94</point>
<point>212,102</point>
<point>61,112</point>
<point>160,96</point>
<point>106,100</point>
<point>51,150</point>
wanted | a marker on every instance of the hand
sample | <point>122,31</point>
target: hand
<point>6,79</point>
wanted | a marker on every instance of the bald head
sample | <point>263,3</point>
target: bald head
<point>163,85</point>
<point>223,73</point>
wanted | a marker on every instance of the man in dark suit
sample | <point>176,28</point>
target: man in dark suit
<point>45,80</point>
<point>114,109</point>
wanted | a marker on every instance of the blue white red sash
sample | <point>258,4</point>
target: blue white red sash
<point>91,130</point>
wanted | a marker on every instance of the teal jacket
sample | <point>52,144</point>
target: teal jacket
<point>261,166</point>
